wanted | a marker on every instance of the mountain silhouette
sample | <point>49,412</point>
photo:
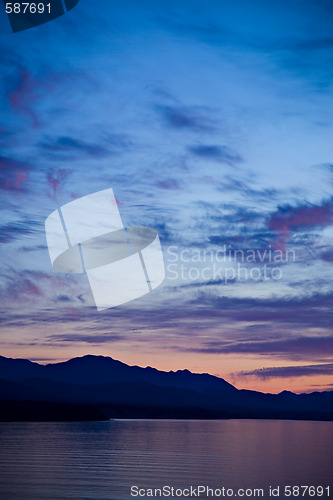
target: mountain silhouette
<point>119,390</point>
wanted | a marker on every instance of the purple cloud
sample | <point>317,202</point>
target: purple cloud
<point>56,178</point>
<point>186,118</point>
<point>328,256</point>
<point>14,174</point>
<point>288,218</point>
<point>288,371</point>
<point>24,94</point>
<point>221,154</point>
<point>169,184</point>
<point>301,347</point>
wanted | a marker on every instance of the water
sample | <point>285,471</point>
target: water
<point>102,460</point>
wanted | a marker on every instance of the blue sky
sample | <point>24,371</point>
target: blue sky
<point>213,124</point>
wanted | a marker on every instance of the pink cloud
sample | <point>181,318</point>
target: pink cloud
<point>24,95</point>
<point>12,176</point>
<point>19,179</point>
<point>288,219</point>
<point>56,179</point>
<point>306,216</point>
<point>23,288</point>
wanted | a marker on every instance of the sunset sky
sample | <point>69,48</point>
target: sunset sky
<point>213,123</point>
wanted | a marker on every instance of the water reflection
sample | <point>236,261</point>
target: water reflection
<point>101,460</point>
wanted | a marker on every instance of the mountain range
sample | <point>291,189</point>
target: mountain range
<point>98,387</point>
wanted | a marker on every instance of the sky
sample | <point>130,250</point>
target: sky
<point>212,123</point>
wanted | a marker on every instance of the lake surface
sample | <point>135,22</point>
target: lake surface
<point>102,460</point>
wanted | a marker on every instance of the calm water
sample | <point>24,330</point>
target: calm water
<point>103,460</point>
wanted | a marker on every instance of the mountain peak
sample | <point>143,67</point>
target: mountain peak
<point>92,369</point>
<point>136,392</point>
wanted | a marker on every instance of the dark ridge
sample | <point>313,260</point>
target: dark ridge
<point>122,391</point>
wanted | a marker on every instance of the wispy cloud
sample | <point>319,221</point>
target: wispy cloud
<point>56,179</point>
<point>22,287</point>
<point>288,220</point>
<point>68,145</point>
<point>33,248</point>
<point>169,184</point>
<point>73,147</point>
<point>221,154</point>
<point>296,348</point>
<point>297,218</point>
<point>248,188</point>
<point>12,231</point>
<point>96,338</point>
<point>186,118</point>
<point>288,371</point>
<point>327,256</point>
<point>14,174</point>
<point>24,94</point>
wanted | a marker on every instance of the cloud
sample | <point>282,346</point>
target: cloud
<point>169,184</point>
<point>64,298</point>
<point>221,154</point>
<point>14,174</point>
<point>12,231</point>
<point>301,347</point>
<point>328,256</point>
<point>185,118</point>
<point>24,93</point>
<point>288,371</point>
<point>247,189</point>
<point>307,57</point>
<point>97,338</point>
<point>56,179</point>
<point>307,216</point>
<point>288,219</point>
<point>66,144</point>
<point>259,227</point>
<point>315,310</point>
<point>34,248</point>
<point>21,289</point>
<point>204,284</point>
<point>254,33</point>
